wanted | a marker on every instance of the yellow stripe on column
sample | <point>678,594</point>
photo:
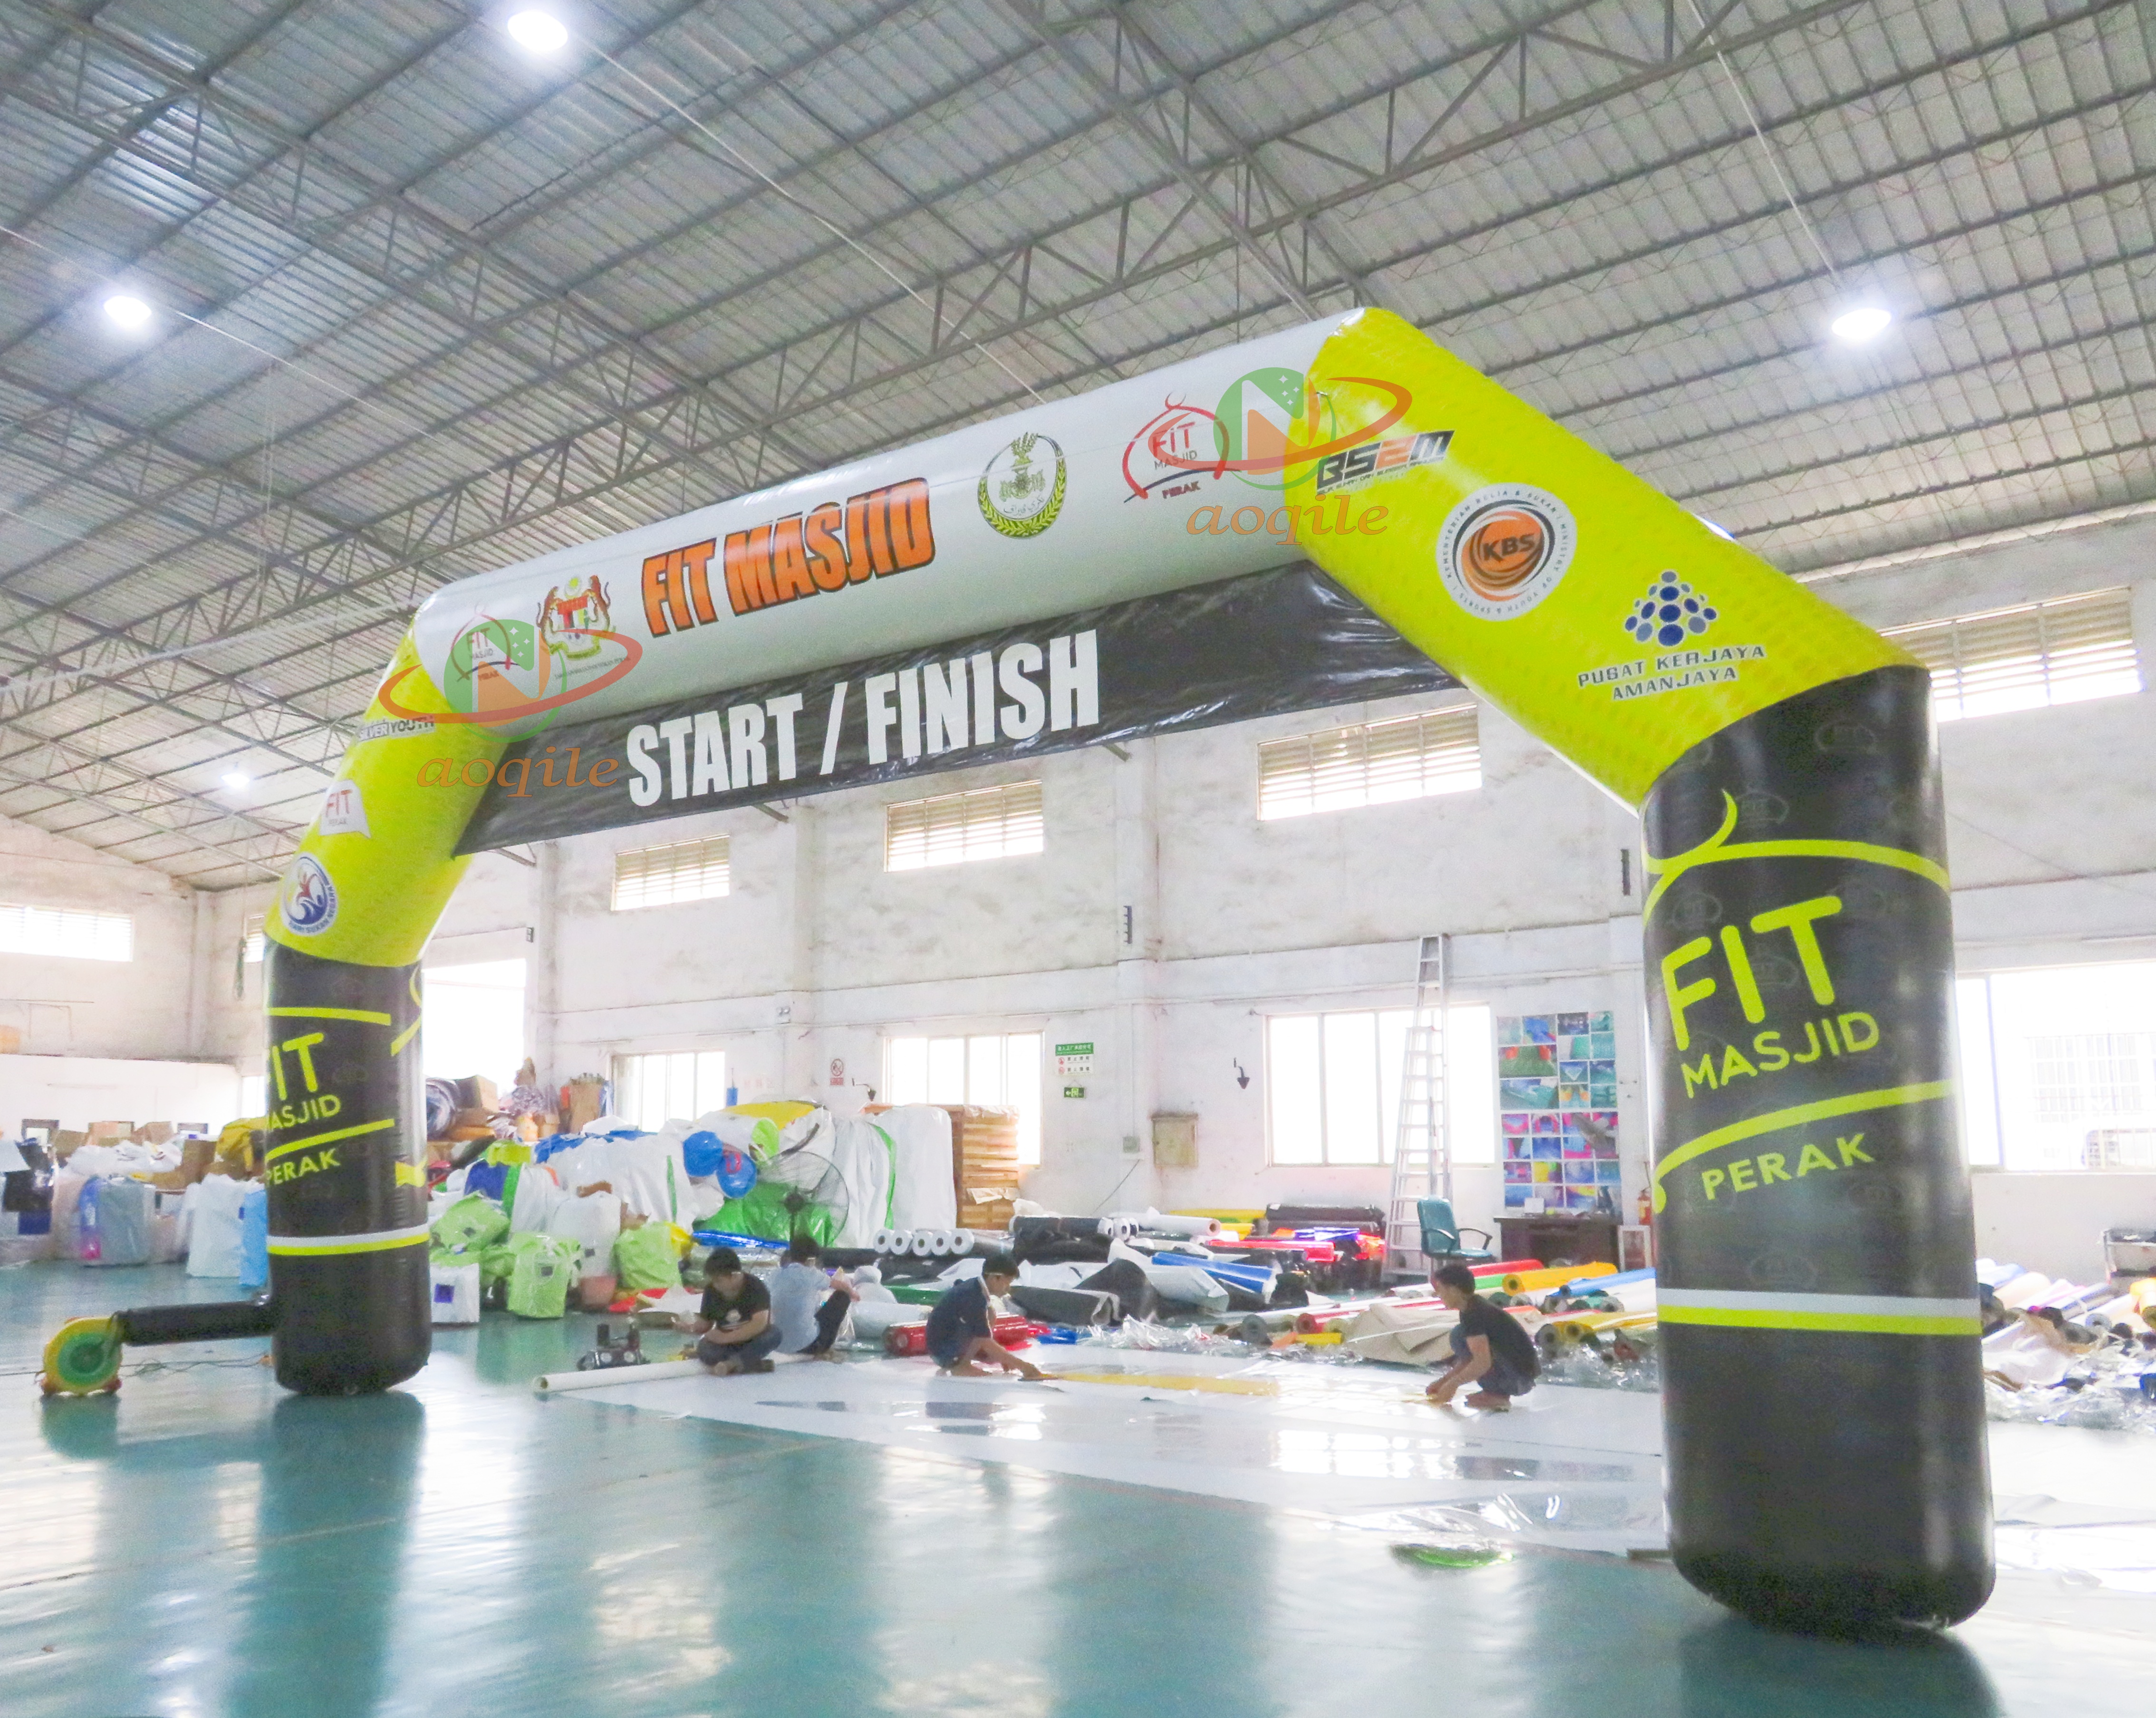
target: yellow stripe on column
<point>330,1246</point>
<point>323,1139</point>
<point>1870,1324</point>
<point>366,1017</point>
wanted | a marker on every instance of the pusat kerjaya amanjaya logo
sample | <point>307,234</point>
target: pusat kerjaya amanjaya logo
<point>1504,548</point>
<point>1670,612</point>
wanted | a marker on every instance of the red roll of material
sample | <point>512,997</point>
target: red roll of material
<point>1313,1252</point>
<point>910,1341</point>
<point>1505,1267</point>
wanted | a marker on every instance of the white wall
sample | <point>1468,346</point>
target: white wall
<point>77,1090</point>
<point>819,952</point>
<point>63,1007</point>
<point>2055,1224</point>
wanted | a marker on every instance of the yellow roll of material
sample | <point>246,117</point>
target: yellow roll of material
<point>1576,1327</point>
<point>1318,1339</point>
<point>2144,1294</point>
<point>1526,1282</point>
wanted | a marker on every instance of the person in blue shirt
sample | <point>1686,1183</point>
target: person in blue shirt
<point>808,1306</point>
<point>960,1336</point>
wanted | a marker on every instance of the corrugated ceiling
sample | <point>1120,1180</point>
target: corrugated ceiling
<point>426,305</point>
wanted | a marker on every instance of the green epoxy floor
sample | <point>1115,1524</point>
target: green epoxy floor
<point>204,1544</point>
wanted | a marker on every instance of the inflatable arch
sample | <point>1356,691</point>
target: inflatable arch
<point>1824,1425</point>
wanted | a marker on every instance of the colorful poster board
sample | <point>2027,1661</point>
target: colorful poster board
<point>1557,1109</point>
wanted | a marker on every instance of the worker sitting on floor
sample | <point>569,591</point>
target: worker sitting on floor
<point>959,1337</point>
<point>734,1320</point>
<point>807,1306</point>
<point>1489,1345</point>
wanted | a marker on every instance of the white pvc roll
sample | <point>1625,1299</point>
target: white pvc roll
<point>1160,1223</point>
<point>2025,1290</point>
<point>604,1378</point>
<point>917,1243</point>
<point>939,1243</point>
<point>881,1244</point>
<point>872,1318</point>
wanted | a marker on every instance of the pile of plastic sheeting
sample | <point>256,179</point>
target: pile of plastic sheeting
<point>2090,1544</point>
<point>1154,1338</point>
<point>2069,1353</point>
<point>1597,1369</point>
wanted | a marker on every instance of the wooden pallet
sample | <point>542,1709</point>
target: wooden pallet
<point>984,1166</point>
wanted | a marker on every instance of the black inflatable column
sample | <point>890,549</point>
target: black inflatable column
<point>1823,1401</point>
<point>347,1190</point>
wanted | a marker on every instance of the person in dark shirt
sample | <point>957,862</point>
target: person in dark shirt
<point>960,1339</point>
<point>1489,1346</point>
<point>735,1320</point>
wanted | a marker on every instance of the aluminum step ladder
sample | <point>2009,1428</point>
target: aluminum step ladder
<point>1422,1148</point>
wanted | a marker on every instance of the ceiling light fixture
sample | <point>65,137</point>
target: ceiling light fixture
<point>1865,322</point>
<point>538,33</point>
<point>126,310</point>
<point>237,779</point>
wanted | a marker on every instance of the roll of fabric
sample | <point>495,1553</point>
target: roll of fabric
<point>605,1377</point>
<point>1591,1279</point>
<point>1167,1223</point>
<point>1505,1267</point>
<point>2023,1291</point>
<point>1521,1282</point>
<point>939,1243</point>
<point>882,1242</point>
<point>918,1244</point>
<point>872,1318</point>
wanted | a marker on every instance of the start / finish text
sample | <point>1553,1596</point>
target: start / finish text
<point>966,703</point>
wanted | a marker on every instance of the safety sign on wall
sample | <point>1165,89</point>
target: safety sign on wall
<point>1074,1061</point>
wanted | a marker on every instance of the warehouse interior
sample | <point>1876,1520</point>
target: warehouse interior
<point>314,310</point>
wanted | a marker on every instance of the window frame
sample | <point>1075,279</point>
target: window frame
<point>1032,1140</point>
<point>1432,744</point>
<point>92,923</point>
<point>699,1107</point>
<point>1387,1120</point>
<point>1951,674</point>
<point>1036,812</point>
<point>725,864</point>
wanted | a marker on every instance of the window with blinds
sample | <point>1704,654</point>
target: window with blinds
<point>63,931</point>
<point>665,876</point>
<point>2023,658</point>
<point>252,938</point>
<point>1376,763</point>
<point>957,829</point>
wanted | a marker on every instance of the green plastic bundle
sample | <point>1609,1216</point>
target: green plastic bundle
<point>540,1277</point>
<point>762,1211</point>
<point>644,1258</point>
<point>473,1223</point>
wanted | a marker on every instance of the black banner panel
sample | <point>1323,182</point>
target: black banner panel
<point>1266,644</point>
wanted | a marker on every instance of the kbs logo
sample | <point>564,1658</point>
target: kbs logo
<point>1503,549</point>
<point>874,535</point>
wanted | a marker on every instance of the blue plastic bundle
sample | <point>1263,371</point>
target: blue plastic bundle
<point>1255,1279</point>
<point>488,1178</point>
<point>740,1244</point>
